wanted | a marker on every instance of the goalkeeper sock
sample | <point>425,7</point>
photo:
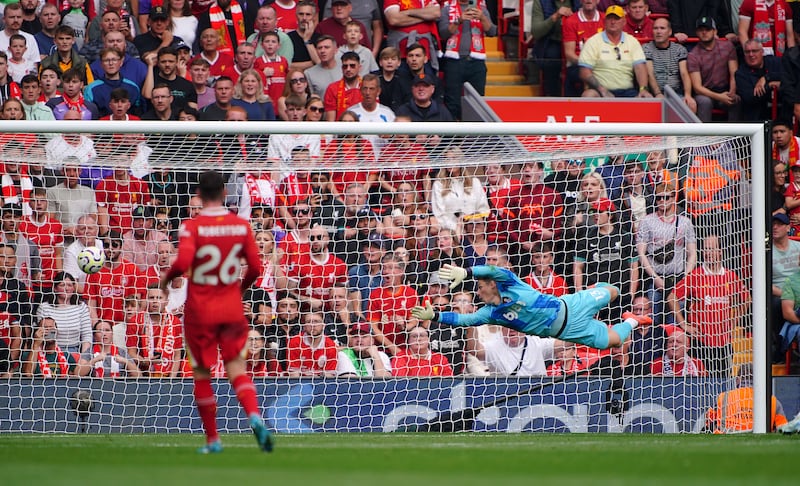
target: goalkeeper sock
<point>624,329</point>
<point>207,408</point>
<point>246,393</point>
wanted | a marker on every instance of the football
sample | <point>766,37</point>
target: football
<point>91,259</point>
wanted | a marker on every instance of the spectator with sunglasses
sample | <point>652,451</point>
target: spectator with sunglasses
<point>296,83</point>
<point>612,63</point>
<point>316,271</point>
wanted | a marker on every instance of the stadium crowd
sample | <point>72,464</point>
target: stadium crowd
<point>346,253</point>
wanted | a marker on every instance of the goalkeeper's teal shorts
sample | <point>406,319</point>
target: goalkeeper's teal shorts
<point>581,326</point>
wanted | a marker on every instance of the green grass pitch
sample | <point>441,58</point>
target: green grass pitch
<point>402,459</point>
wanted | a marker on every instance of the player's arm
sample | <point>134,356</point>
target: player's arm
<point>482,316</point>
<point>186,250</point>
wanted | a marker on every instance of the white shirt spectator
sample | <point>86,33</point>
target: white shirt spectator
<point>503,360</point>
<point>346,367</point>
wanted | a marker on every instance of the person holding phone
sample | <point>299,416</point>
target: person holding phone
<point>46,359</point>
<point>463,26</point>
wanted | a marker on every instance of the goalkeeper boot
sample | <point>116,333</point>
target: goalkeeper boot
<point>791,427</point>
<point>640,320</point>
<point>211,448</point>
<point>265,439</point>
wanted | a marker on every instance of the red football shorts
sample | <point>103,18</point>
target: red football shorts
<point>204,341</point>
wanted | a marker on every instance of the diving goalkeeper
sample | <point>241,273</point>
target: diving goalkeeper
<point>512,303</point>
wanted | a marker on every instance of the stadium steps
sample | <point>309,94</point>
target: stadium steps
<point>503,77</point>
<point>742,349</point>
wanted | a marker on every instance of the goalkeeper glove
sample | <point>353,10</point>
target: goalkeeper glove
<point>423,313</point>
<point>455,274</point>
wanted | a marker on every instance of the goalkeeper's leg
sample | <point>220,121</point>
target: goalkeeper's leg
<point>583,328</point>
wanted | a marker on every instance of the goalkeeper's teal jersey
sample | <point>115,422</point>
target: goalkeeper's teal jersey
<point>522,308</point>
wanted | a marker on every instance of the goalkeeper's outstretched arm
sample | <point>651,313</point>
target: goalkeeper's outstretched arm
<point>427,313</point>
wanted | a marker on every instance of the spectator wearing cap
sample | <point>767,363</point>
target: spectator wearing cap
<point>463,28</point>
<point>416,63</point>
<point>683,15</point>
<point>140,244</point>
<point>712,66</point>
<point>335,24</point>
<point>28,264</point>
<point>362,358</point>
<point>131,68</point>
<point>158,33</point>
<point>607,254</point>
<point>365,276</point>
<point>770,23</point>
<point>785,262</point>
<point>184,24</point>
<point>756,79</point>
<point>422,107</point>
<point>111,78</point>
<point>612,63</point>
<point>346,91</point>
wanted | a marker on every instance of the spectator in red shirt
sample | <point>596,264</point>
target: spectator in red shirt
<point>45,232</point>
<point>676,361</point>
<point>106,290</point>
<point>575,30</point>
<point>389,308</point>
<point>153,337</point>
<point>117,195</point>
<point>637,20</point>
<point>345,92</point>
<point>542,277</point>
<point>418,359</point>
<point>316,271</point>
<point>312,353</point>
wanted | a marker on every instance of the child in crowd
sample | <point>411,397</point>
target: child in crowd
<point>273,66</point>
<point>391,85</point>
<point>353,36</point>
<point>542,277</point>
<point>18,66</point>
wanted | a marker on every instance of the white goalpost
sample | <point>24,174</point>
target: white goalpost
<point>336,208</point>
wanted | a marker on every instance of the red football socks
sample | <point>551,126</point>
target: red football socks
<point>246,393</point>
<point>207,408</point>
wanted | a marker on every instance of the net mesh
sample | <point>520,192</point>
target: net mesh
<point>352,230</point>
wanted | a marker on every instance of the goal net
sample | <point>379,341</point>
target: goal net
<point>353,222</point>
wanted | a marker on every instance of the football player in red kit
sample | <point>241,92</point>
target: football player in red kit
<point>210,248</point>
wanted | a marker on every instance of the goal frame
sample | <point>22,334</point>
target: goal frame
<point>759,135</point>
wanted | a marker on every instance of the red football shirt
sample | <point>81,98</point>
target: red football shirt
<point>385,304</point>
<point>434,364</point>
<point>307,360</point>
<point>120,199</point>
<point>209,249</point>
<point>149,339</point>
<point>317,278</point>
<point>710,299</point>
<point>47,236</point>
<point>110,286</point>
<point>275,83</point>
